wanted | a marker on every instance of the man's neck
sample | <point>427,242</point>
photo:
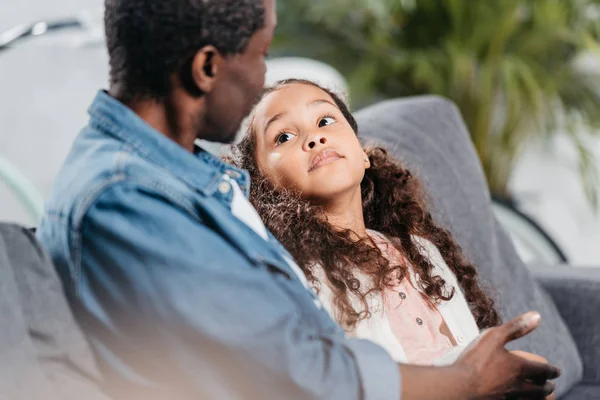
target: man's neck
<point>168,117</point>
<point>346,212</point>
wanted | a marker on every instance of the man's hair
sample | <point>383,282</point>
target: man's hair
<point>150,40</point>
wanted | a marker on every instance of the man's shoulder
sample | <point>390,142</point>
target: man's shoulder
<point>98,166</point>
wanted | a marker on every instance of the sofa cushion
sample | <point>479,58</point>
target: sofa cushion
<point>52,341</point>
<point>21,377</point>
<point>429,135</point>
<point>583,392</point>
<point>576,293</point>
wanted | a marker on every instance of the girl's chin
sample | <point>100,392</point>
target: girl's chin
<point>328,192</point>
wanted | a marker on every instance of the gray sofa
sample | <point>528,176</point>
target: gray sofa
<point>429,135</point>
<point>43,354</point>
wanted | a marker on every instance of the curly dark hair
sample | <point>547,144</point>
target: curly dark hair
<point>150,40</point>
<point>393,204</point>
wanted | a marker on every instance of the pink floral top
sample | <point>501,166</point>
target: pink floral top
<point>414,319</point>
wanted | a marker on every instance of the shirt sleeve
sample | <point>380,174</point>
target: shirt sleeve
<point>177,310</point>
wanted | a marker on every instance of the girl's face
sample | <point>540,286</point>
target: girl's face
<point>304,143</point>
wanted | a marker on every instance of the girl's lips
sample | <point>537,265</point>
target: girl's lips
<point>324,157</point>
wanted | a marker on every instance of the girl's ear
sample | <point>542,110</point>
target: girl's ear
<point>367,162</point>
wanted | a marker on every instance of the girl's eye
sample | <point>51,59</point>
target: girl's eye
<point>283,137</point>
<point>326,121</point>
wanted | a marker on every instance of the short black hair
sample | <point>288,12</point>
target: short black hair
<point>149,40</point>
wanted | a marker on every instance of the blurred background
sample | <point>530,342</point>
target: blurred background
<point>525,75</point>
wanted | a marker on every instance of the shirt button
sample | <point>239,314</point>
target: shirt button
<point>224,187</point>
<point>233,174</point>
<point>460,338</point>
<point>402,295</point>
<point>419,321</point>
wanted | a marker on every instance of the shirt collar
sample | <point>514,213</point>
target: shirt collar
<point>201,170</point>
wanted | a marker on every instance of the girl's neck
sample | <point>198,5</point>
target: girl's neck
<point>346,212</point>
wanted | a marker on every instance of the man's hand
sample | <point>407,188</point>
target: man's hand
<point>495,373</point>
<point>533,357</point>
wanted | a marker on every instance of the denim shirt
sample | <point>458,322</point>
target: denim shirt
<point>180,298</point>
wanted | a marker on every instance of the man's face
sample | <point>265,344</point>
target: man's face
<point>239,82</point>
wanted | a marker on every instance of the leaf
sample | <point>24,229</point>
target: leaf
<point>514,68</point>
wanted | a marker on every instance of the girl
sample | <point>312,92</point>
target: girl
<point>357,223</point>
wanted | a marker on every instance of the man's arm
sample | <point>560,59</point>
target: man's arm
<point>179,311</point>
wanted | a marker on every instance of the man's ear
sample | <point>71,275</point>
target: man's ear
<point>205,68</point>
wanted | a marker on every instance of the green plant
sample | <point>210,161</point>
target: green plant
<point>515,68</point>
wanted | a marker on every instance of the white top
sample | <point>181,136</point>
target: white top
<point>456,312</point>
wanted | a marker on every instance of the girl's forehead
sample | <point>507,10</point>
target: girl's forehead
<point>286,98</point>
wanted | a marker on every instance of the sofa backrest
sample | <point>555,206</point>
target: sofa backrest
<point>429,136</point>
<point>43,354</point>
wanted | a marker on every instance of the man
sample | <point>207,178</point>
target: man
<point>180,289</point>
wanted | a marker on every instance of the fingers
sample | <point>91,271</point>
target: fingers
<point>530,356</point>
<point>538,372</point>
<point>518,327</point>
<point>532,390</point>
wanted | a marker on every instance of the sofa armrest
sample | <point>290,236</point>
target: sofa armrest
<point>576,294</point>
